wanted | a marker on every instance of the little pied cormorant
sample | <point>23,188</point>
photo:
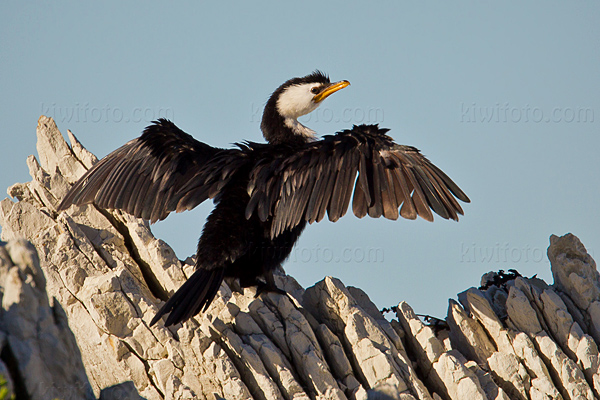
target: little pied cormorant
<point>264,193</point>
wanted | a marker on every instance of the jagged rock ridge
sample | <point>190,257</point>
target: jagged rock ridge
<point>104,274</point>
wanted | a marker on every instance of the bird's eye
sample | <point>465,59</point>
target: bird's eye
<point>315,90</point>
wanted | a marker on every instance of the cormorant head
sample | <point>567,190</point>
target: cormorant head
<point>296,97</point>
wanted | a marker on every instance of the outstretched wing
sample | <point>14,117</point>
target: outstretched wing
<point>323,175</point>
<point>163,170</point>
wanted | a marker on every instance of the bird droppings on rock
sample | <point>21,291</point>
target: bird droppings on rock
<point>79,317</point>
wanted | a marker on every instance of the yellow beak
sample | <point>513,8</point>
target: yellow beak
<point>334,87</point>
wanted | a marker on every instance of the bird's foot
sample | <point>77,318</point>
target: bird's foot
<point>234,284</point>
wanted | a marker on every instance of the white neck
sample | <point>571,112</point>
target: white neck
<point>299,129</point>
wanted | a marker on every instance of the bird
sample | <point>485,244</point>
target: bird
<point>264,193</point>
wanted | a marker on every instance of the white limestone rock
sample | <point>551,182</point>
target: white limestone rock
<point>378,360</point>
<point>468,336</point>
<point>574,270</point>
<point>571,377</point>
<point>35,335</point>
<point>107,275</point>
<point>445,373</point>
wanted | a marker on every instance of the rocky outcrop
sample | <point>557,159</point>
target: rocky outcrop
<point>74,322</point>
<point>33,333</point>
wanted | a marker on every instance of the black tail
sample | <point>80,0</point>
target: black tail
<point>197,292</point>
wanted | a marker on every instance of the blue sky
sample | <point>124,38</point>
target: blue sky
<point>503,97</point>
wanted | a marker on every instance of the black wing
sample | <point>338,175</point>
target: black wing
<point>163,170</point>
<point>323,175</point>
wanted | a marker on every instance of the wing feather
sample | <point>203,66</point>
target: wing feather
<point>445,194</point>
<point>330,173</point>
<point>163,170</point>
<point>312,209</point>
<point>362,165</point>
<point>432,194</point>
<point>129,180</point>
<point>418,197</point>
<point>390,207</point>
<point>359,202</point>
<point>351,173</point>
<point>340,188</point>
<point>375,189</point>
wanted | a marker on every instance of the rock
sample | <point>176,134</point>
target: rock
<point>39,353</point>
<point>510,374</point>
<point>377,360</point>
<point>74,322</point>
<point>122,391</point>
<point>574,270</point>
<point>468,336</point>
<point>521,313</point>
